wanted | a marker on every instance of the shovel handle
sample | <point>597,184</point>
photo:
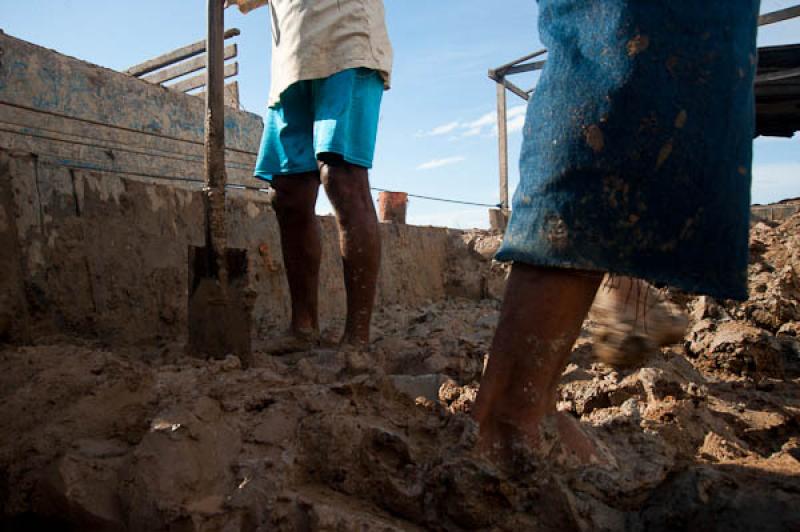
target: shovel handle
<point>215,129</point>
<point>215,103</point>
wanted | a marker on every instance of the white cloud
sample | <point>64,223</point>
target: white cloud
<point>438,163</point>
<point>440,130</point>
<point>474,132</point>
<point>486,120</point>
<point>485,125</point>
<point>516,119</point>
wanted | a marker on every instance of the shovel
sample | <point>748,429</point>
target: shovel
<point>219,301</point>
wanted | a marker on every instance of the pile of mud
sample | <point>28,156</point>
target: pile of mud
<point>706,436</point>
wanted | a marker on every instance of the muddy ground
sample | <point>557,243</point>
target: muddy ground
<point>706,436</point>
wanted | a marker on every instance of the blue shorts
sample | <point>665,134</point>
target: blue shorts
<point>338,114</point>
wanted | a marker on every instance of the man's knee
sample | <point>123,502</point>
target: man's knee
<point>295,194</point>
<point>343,181</point>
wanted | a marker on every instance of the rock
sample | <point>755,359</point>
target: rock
<point>717,449</point>
<point>741,349</point>
<point>705,307</point>
<point>449,391</point>
<point>426,386</point>
<point>185,459</point>
<point>276,425</point>
<point>81,490</point>
<point>791,328</point>
<point>488,321</point>
<point>459,399</point>
<point>470,272</point>
<point>231,363</point>
<point>722,498</point>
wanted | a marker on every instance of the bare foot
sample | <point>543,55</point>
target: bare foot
<point>573,446</point>
<point>558,438</point>
<point>293,342</point>
<point>360,360</point>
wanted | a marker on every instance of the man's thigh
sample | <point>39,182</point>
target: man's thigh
<point>346,114</point>
<point>287,145</point>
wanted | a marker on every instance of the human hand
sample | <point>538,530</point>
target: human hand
<point>245,6</point>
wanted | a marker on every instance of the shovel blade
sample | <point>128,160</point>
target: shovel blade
<point>220,319</point>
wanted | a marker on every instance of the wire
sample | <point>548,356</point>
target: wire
<point>445,200</point>
<point>85,165</point>
<point>112,126</point>
<point>152,151</point>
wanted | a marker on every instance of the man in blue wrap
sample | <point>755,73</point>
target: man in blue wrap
<point>636,161</point>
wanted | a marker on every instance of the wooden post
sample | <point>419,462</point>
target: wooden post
<point>502,136</point>
<point>215,133</point>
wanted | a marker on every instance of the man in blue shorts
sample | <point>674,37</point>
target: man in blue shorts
<point>331,62</point>
<point>636,161</point>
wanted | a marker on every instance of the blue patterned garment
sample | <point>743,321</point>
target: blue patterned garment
<point>637,148</point>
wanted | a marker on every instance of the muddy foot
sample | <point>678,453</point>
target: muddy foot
<point>293,343</point>
<point>558,439</point>
<point>360,360</point>
<point>565,441</point>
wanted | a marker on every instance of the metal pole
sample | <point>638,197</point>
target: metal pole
<point>502,136</point>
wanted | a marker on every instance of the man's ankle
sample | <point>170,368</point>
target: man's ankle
<point>304,333</point>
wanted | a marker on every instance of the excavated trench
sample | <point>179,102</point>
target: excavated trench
<point>705,436</point>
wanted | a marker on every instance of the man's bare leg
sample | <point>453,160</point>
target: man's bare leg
<point>295,202</point>
<point>347,187</point>
<point>540,320</point>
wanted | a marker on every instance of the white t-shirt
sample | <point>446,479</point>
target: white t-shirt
<point>314,39</point>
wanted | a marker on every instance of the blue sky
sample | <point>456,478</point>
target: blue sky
<point>437,134</point>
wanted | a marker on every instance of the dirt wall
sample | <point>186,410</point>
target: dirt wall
<point>99,196</point>
<point>104,255</point>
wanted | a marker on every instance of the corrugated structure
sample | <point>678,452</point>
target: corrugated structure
<point>778,91</point>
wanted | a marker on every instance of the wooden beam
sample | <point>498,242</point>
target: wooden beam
<point>187,67</point>
<point>502,142</point>
<point>516,90</point>
<point>501,70</point>
<point>530,67</point>
<point>195,82</point>
<point>173,57</point>
<point>231,94</point>
<point>779,16</point>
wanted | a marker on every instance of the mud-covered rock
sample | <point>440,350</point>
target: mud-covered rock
<point>739,349</point>
<point>729,498</point>
<point>181,472</point>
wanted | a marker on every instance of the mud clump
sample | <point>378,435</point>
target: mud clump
<point>706,435</point>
